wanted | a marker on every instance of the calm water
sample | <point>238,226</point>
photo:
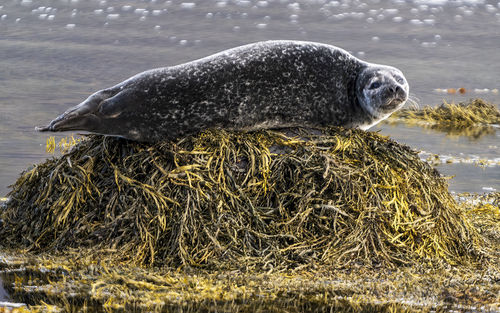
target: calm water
<point>3,293</point>
<point>53,54</point>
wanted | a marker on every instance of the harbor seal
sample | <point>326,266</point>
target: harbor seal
<point>271,84</point>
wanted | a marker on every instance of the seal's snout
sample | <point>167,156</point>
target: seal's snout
<point>395,89</point>
<point>395,96</point>
<point>398,92</point>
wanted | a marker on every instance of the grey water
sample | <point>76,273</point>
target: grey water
<point>3,294</point>
<point>54,53</point>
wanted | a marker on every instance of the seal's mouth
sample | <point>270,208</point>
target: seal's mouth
<point>393,104</point>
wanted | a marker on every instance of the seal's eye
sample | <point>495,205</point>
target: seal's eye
<point>374,85</point>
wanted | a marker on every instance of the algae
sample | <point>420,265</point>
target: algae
<point>75,282</point>
<point>298,220</point>
<point>484,213</point>
<point>474,119</point>
<point>261,200</point>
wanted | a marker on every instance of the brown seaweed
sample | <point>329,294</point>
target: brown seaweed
<point>473,119</point>
<point>261,200</point>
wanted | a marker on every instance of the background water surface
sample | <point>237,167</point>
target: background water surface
<point>54,53</point>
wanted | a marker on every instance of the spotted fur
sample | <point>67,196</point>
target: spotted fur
<point>269,84</point>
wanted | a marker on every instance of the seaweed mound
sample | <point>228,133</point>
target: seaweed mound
<point>472,119</point>
<point>229,199</point>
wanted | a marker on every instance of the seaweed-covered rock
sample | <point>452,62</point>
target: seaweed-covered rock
<point>473,119</point>
<point>229,199</point>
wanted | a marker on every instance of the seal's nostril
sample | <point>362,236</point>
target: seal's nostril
<point>398,89</point>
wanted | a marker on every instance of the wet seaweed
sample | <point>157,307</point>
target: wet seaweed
<point>474,119</point>
<point>265,200</point>
<point>82,283</point>
<point>484,213</point>
<point>65,144</point>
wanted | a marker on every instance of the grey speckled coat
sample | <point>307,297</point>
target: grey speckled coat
<point>263,85</point>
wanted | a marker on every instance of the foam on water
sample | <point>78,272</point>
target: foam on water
<point>188,5</point>
<point>113,16</point>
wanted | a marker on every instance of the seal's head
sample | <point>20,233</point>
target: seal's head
<point>381,90</point>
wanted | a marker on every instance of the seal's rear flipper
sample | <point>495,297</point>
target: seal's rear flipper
<point>65,122</point>
<point>42,128</point>
<point>80,117</point>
